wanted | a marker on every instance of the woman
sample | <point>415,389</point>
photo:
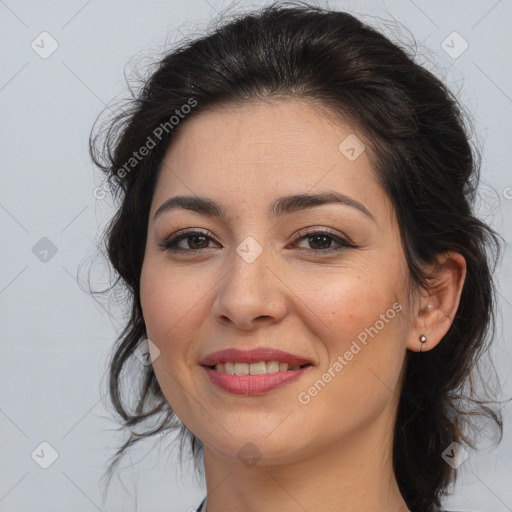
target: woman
<point>296,235</point>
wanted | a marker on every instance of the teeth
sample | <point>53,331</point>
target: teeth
<point>259,368</point>
<point>241,368</point>
<point>272,366</point>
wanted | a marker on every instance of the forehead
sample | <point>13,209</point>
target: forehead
<point>258,150</point>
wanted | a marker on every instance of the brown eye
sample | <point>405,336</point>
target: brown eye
<point>197,240</point>
<point>194,241</point>
<point>320,241</point>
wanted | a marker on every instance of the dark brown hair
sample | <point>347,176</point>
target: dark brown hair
<point>424,159</point>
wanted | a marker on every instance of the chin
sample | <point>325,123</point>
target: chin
<point>256,447</point>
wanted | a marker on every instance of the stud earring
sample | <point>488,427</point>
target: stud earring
<point>423,339</point>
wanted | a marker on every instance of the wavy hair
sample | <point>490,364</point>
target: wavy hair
<point>424,158</point>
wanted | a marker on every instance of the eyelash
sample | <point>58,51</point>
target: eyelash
<point>171,242</point>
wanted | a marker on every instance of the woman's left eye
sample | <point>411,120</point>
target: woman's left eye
<point>322,239</point>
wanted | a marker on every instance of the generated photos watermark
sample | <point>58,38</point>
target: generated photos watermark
<point>304,397</point>
<point>157,135</point>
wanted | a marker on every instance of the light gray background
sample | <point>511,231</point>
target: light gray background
<point>56,339</point>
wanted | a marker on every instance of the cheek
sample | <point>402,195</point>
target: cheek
<point>360,331</point>
<point>170,304</point>
<point>346,304</point>
<point>359,319</point>
<point>173,310</point>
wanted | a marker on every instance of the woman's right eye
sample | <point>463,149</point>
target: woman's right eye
<point>196,240</point>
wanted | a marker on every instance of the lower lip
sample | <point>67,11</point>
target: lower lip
<point>253,384</point>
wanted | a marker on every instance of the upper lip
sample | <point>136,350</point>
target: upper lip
<point>254,355</point>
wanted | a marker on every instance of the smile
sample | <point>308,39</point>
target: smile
<point>259,368</point>
<point>253,371</point>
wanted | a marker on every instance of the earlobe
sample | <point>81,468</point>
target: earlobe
<point>439,304</point>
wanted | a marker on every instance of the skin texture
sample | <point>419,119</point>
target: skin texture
<point>333,452</point>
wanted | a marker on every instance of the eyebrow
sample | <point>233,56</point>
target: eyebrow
<point>280,207</point>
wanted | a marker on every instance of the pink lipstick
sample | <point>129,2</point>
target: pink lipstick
<point>255,371</point>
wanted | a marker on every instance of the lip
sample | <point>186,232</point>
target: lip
<point>254,355</point>
<point>253,384</point>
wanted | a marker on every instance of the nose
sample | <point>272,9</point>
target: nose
<point>250,295</point>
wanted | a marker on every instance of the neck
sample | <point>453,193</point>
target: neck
<point>354,476</point>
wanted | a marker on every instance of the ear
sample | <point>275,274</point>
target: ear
<point>438,304</point>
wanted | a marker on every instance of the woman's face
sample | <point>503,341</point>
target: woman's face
<point>255,279</point>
